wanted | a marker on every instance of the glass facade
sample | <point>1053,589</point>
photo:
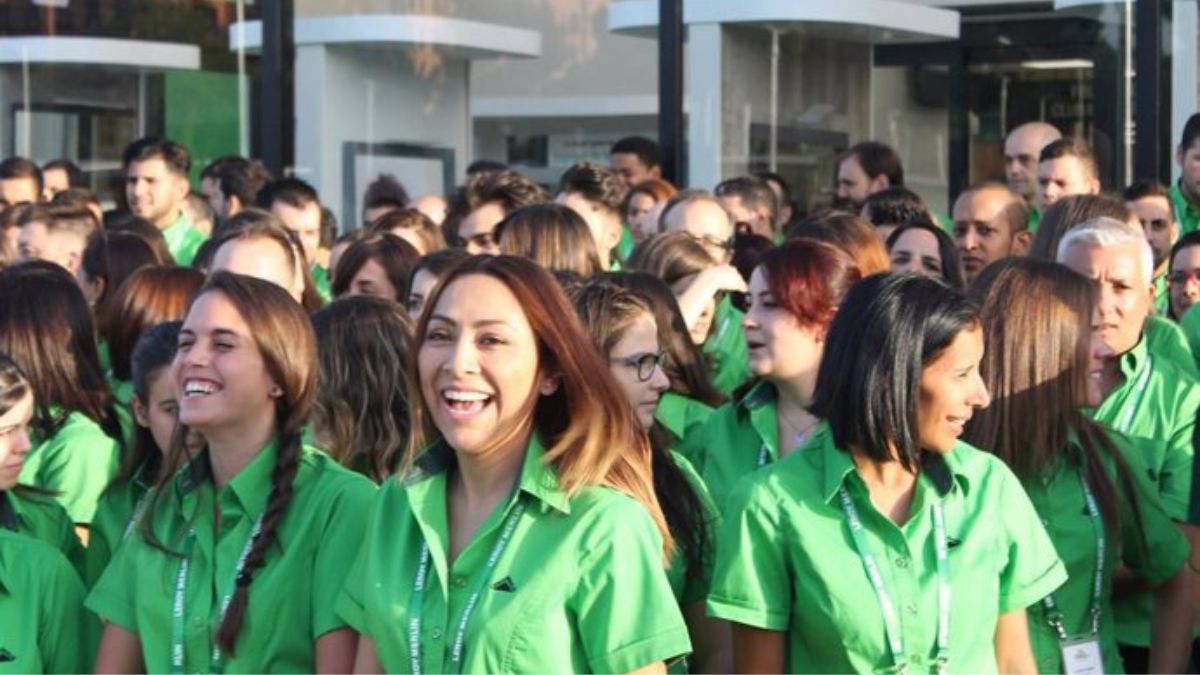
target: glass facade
<point>422,88</point>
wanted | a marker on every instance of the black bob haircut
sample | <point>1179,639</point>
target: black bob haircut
<point>887,329</point>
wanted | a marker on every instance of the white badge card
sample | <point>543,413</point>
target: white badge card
<point>1082,657</point>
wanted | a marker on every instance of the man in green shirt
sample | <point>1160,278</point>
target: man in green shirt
<point>991,222</point>
<point>1146,396</point>
<point>1151,205</point>
<point>1185,194</point>
<point>298,207</point>
<point>156,185</point>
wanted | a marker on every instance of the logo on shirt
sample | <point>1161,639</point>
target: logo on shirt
<point>506,584</point>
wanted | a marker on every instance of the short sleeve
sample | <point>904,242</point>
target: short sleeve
<point>751,584</point>
<point>627,616</point>
<point>344,532</point>
<point>77,465</point>
<point>1151,545</point>
<point>63,633</point>
<point>349,604</point>
<point>114,597</point>
<point>1033,569</point>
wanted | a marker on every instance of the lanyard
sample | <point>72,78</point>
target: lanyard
<point>891,620</point>
<point>178,606</point>
<point>421,581</point>
<point>137,513</point>
<point>1135,400</point>
<point>1053,615</point>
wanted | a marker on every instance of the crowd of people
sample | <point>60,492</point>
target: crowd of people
<point>607,425</point>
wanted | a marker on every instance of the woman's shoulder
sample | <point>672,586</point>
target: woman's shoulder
<point>322,475</point>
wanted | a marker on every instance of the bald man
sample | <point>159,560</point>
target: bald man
<point>1021,150</point>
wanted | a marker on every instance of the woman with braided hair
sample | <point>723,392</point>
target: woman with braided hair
<point>240,554</point>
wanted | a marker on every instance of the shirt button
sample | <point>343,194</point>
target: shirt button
<point>911,608</point>
<point>436,633</point>
<point>902,562</point>
<point>460,582</point>
<point>916,659</point>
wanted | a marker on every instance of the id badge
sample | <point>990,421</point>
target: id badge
<point>1081,656</point>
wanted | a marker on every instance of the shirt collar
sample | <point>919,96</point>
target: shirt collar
<point>1132,360</point>
<point>537,479</point>
<point>942,471</point>
<point>759,395</point>
<point>250,488</point>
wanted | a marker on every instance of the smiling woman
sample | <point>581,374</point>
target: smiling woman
<point>526,537</point>
<point>256,512</point>
<point>886,511</point>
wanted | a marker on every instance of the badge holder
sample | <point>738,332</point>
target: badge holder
<point>1081,656</point>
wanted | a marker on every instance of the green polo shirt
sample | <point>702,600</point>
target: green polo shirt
<point>183,240</point>
<point>1166,340</point>
<point>786,561</point>
<point>111,525</point>
<point>1185,212</point>
<point>1061,503</point>
<point>738,438</point>
<point>1161,418</point>
<point>627,244</point>
<point>45,629</point>
<point>76,461</point>
<point>729,358</point>
<point>122,393</point>
<point>40,516</point>
<point>580,587</point>
<point>1162,296</point>
<point>1035,219</point>
<point>291,596</point>
<point>681,415</point>
<point>321,281</point>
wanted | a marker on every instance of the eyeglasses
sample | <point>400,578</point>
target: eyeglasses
<point>1184,276</point>
<point>645,364</point>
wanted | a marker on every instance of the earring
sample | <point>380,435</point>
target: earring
<point>276,392</point>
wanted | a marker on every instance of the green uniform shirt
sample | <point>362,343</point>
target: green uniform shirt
<point>729,358</point>
<point>786,561</point>
<point>291,596</point>
<point>681,415</point>
<point>738,438</point>
<point>122,391</point>
<point>1162,296</point>
<point>321,282</point>
<point>41,610</point>
<point>77,462</point>
<point>1189,323</point>
<point>1062,505</point>
<point>1035,219</point>
<point>1161,416</point>
<point>626,245</point>
<point>1166,340</point>
<point>43,518</point>
<point>580,587</point>
<point>1185,212</point>
<point>111,525</point>
<point>183,240</point>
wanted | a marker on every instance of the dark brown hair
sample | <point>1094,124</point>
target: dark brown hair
<point>551,235</point>
<point>850,233</point>
<point>150,296</point>
<point>1068,212</point>
<point>396,256</point>
<point>364,352</point>
<point>411,219</point>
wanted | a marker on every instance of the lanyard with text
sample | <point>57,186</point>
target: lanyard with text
<point>1135,398</point>
<point>1053,615</point>
<point>178,606</point>
<point>891,620</point>
<point>421,581</point>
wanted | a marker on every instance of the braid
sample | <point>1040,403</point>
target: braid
<point>286,465</point>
